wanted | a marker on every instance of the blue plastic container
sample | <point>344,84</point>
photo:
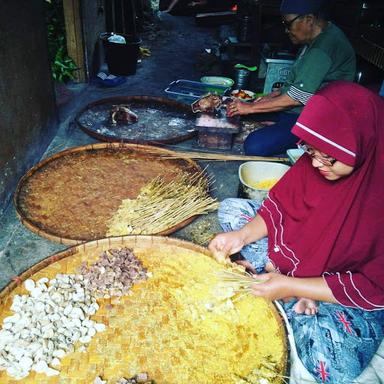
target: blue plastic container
<point>193,90</point>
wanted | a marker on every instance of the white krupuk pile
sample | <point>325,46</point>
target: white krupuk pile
<point>46,324</point>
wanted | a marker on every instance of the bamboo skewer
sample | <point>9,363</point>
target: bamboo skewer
<point>242,282</point>
<point>221,157</point>
<point>161,205</point>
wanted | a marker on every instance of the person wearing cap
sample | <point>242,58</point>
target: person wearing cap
<point>316,242</point>
<point>326,55</point>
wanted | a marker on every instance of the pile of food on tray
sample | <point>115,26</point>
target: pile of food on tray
<point>243,94</point>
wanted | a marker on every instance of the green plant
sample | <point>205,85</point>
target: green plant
<point>63,67</point>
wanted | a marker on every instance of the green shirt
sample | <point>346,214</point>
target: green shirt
<point>329,57</point>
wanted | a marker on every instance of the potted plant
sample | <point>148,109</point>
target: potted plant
<point>62,66</point>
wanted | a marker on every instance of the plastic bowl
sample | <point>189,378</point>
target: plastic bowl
<point>253,174</point>
<point>294,154</point>
<point>217,80</point>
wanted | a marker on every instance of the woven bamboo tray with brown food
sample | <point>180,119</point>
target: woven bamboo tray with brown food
<point>83,193</point>
<point>166,313</point>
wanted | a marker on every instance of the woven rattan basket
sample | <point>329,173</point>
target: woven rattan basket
<point>108,354</point>
<point>69,197</point>
<point>154,126</point>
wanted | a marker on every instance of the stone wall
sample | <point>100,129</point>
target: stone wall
<point>28,116</point>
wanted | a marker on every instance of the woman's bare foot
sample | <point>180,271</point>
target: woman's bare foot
<point>305,306</point>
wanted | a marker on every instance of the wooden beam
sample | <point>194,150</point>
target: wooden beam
<point>75,43</point>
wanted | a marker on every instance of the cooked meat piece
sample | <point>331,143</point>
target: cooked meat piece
<point>122,114</point>
<point>207,103</point>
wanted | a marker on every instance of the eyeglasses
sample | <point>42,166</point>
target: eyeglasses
<point>288,23</point>
<point>327,161</point>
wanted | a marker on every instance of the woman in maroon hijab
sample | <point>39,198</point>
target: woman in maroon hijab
<point>324,224</point>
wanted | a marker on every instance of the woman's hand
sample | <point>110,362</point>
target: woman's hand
<point>268,97</point>
<point>273,102</point>
<point>274,286</point>
<point>238,107</point>
<point>229,243</point>
<point>226,243</point>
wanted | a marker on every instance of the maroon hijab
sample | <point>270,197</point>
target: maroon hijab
<point>335,229</point>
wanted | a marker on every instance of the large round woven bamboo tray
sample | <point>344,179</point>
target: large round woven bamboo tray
<point>161,120</point>
<point>69,196</point>
<point>113,353</point>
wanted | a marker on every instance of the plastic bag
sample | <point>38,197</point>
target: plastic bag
<point>117,39</point>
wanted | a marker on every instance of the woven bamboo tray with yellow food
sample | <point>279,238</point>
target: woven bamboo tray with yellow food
<point>121,307</point>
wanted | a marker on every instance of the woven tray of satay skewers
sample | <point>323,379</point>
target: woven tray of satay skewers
<point>111,189</point>
<point>138,305</point>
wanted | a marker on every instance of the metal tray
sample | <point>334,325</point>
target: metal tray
<point>194,89</point>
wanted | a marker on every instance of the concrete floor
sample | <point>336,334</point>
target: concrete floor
<point>174,56</point>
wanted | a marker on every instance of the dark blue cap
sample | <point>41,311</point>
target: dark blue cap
<point>300,7</point>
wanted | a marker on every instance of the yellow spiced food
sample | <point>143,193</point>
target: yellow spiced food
<point>184,326</point>
<point>181,325</point>
<point>265,184</point>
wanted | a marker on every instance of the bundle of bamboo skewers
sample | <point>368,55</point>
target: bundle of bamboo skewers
<point>208,156</point>
<point>161,205</point>
<point>240,282</point>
